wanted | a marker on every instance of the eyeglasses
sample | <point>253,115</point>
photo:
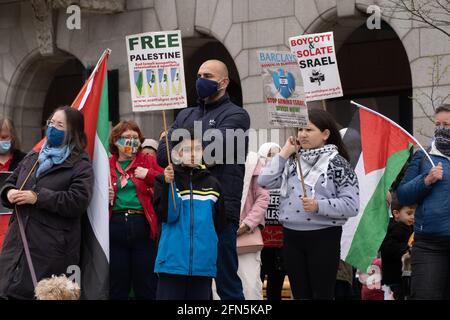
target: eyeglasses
<point>130,137</point>
<point>51,123</point>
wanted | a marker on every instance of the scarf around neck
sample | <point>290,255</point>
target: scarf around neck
<point>314,163</point>
<point>435,151</point>
<point>49,156</point>
<point>124,175</point>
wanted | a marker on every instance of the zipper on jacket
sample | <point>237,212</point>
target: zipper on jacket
<point>191,234</point>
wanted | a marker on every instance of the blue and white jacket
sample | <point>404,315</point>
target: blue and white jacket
<point>188,243</point>
<point>337,201</point>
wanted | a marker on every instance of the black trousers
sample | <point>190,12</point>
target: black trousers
<point>179,287</point>
<point>312,259</point>
<point>430,269</point>
<point>228,283</point>
<point>132,258</point>
<point>272,266</point>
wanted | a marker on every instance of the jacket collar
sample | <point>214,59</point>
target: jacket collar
<point>207,107</point>
<point>187,170</point>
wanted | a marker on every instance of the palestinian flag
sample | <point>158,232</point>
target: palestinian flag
<point>379,148</point>
<point>92,101</point>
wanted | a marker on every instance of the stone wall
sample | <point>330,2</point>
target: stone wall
<point>243,26</point>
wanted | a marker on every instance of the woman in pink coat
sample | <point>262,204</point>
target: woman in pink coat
<point>253,209</point>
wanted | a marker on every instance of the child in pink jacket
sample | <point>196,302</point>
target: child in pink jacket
<point>254,204</point>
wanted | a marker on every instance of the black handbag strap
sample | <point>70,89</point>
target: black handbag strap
<point>22,232</point>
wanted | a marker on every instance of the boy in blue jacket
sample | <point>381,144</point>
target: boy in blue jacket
<point>187,251</point>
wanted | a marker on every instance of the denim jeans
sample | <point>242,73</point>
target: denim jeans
<point>132,258</point>
<point>228,283</point>
<point>430,269</point>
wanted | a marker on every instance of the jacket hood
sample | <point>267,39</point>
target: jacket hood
<point>264,150</point>
<point>253,167</point>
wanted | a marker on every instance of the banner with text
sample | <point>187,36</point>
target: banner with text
<point>317,60</point>
<point>283,89</point>
<point>155,63</point>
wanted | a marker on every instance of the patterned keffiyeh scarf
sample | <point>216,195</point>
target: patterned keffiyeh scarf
<point>314,163</point>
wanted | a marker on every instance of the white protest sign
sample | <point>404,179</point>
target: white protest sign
<point>155,63</point>
<point>283,89</point>
<point>317,60</point>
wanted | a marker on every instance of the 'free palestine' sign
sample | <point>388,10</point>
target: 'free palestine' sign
<point>155,63</point>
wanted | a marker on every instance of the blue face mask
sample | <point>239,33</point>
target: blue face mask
<point>206,87</point>
<point>5,146</point>
<point>55,136</point>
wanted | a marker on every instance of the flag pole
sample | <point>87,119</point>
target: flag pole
<point>168,157</point>
<point>105,53</point>
<point>299,166</point>
<point>110,186</point>
<point>396,125</point>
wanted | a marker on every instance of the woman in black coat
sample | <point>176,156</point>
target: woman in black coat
<point>54,199</point>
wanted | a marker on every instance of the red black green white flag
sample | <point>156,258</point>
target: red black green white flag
<point>92,101</point>
<point>379,149</point>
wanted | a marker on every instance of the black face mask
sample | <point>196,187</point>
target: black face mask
<point>206,87</point>
<point>442,140</point>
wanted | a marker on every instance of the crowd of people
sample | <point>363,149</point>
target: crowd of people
<point>184,229</point>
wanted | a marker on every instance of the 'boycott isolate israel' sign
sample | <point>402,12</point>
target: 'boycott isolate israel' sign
<point>283,89</point>
<point>317,60</point>
<point>155,63</point>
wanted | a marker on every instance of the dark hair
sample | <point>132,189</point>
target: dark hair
<point>75,134</point>
<point>15,143</point>
<point>186,136</point>
<point>395,204</point>
<point>188,133</point>
<point>443,108</point>
<point>324,120</point>
<point>117,131</point>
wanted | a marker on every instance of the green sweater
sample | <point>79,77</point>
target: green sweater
<point>126,197</point>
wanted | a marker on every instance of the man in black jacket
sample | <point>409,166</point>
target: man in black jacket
<point>219,118</point>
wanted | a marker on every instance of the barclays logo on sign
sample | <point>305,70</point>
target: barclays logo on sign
<point>284,82</point>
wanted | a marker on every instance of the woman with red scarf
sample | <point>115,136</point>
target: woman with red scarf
<point>133,223</point>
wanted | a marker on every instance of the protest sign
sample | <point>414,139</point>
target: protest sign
<point>155,63</point>
<point>316,58</point>
<point>283,89</point>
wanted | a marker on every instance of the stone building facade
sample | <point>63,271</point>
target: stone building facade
<point>38,53</point>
